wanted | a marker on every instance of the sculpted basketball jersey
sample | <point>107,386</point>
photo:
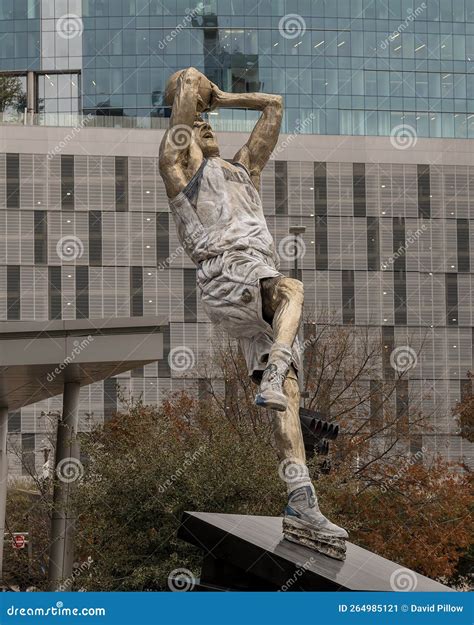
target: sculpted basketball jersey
<point>220,210</point>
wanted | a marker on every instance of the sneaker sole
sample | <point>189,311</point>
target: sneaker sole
<point>292,524</point>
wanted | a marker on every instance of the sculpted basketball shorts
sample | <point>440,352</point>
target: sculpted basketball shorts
<point>232,298</point>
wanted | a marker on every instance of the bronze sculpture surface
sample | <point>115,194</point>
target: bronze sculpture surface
<point>220,222</point>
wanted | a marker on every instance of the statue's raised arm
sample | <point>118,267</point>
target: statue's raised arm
<point>255,153</point>
<point>180,152</point>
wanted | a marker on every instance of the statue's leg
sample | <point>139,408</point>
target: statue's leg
<point>282,303</point>
<point>282,300</point>
<point>287,425</point>
<point>303,521</point>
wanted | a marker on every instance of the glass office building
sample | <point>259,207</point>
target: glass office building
<point>389,220</point>
<point>349,67</point>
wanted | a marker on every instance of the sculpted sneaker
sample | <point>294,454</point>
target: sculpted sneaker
<point>270,394</point>
<point>304,523</point>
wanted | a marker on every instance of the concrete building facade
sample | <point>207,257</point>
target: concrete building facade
<point>375,161</point>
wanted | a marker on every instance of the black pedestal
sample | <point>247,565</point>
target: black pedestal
<point>249,553</point>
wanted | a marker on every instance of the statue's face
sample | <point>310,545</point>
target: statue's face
<point>205,138</point>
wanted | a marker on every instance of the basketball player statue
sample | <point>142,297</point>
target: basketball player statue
<point>219,217</point>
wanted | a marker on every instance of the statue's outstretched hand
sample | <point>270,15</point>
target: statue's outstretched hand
<point>216,97</point>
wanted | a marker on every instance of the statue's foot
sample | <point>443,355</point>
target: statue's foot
<point>304,524</point>
<point>270,394</point>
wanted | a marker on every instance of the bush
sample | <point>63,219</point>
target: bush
<point>149,465</point>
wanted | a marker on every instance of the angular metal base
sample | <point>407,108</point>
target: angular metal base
<point>250,553</point>
<point>318,541</point>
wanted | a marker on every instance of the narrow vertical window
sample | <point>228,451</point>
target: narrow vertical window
<point>321,243</point>
<point>424,192</point>
<point>348,297</point>
<point>400,297</point>
<point>28,454</point>
<point>189,293</point>
<point>95,238</point>
<point>388,345</point>
<point>373,244</point>
<point>41,237</point>
<point>13,292</point>
<point>464,263</point>
<point>13,180</point>
<point>67,181</point>
<point>320,190</point>
<point>110,398</point>
<point>451,299</point>
<point>163,240</point>
<point>136,291</point>
<point>55,299</point>
<point>399,244</point>
<point>82,292</point>
<point>358,190</point>
<point>121,183</point>
<point>281,188</point>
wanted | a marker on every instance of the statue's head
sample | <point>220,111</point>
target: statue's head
<point>205,138</point>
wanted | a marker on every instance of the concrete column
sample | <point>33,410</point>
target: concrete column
<point>3,479</point>
<point>67,471</point>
